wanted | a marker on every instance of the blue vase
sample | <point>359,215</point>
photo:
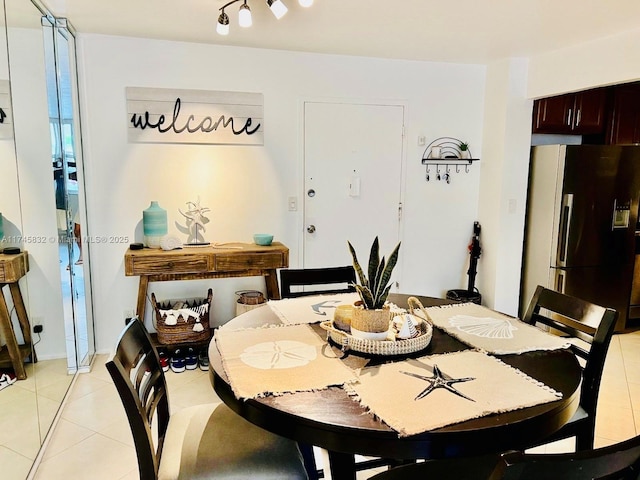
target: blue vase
<point>154,222</point>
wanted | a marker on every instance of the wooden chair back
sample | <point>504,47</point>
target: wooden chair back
<point>590,323</point>
<point>315,277</point>
<point>139,379</point>
<point>616,462</point>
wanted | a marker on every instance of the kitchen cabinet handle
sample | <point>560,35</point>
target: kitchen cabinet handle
<point>578,117</point>
<point>569,117</point>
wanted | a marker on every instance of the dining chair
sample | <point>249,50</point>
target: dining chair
<point>203,441</point>
<point>591,327</point>
<point>620,461</point>
<point>305,277</point>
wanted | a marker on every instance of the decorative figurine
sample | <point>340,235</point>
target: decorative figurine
<point>195,223</point>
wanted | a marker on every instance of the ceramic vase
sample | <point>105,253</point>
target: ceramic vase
<point>154,222</point>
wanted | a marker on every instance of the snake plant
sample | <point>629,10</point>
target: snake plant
<point>375,286</point>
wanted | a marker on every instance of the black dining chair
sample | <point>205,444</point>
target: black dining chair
<point>591,327</point>
<point>620,461</point>
<point>315,277</point>
<point>203,441</point>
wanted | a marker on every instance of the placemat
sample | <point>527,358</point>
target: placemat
<point>492,331</point>
<point>279,359</point>
<point>310,309</point>
<point>414,396</point>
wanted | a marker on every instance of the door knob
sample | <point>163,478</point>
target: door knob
<point>311,228</point>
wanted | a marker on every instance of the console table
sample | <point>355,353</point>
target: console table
<point>197,263</point>
<point>12,269</point>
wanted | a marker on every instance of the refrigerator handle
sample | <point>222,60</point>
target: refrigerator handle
<point>565,227</point>
<point>559,286</point>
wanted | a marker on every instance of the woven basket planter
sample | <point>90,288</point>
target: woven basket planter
<point>188,328</point>
<point>374,321</point>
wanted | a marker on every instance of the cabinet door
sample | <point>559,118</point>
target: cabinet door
<point>624,127</point>
<point>589,110</point>
<point>553,114</point>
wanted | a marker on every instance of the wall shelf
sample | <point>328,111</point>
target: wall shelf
<point>444,154</point>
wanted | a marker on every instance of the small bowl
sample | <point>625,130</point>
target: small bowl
<point>263,239</point>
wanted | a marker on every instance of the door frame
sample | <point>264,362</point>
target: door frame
<point>301,164</point>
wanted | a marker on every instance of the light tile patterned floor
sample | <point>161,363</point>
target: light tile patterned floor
<point>92,439</point>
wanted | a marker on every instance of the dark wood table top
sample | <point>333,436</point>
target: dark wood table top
<point>332,420</point>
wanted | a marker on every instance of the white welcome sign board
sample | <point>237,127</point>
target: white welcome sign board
<point>161,115</point>
<point>6,120</point>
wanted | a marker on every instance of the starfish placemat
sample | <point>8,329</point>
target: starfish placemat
<point>418,395</point>
<point>276,360</point>
<point>492,331</point>
<point>310,309</point>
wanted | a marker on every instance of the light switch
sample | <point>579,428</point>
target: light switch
<point>293,204</point>
<point>421,141</point>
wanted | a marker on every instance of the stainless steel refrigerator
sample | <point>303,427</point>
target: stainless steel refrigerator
<point>582,212</point>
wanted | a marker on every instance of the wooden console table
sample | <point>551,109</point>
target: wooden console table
<point>12,269</point>
<point>197,263</point>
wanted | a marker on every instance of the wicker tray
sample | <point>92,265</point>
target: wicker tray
<point>384,347</point>
<point>183,331</point>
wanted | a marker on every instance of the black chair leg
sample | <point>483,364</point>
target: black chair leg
<point>309,460</point>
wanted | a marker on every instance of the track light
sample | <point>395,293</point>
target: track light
<point>223,24</point>
<point>244,15</point>
<point>277,7</point>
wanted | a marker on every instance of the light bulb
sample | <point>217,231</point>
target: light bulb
<point>223,24</point>
<point>305,3</point>
<point>244,16</point>
<point>277,8</point>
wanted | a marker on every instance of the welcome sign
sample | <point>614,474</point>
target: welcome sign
<point>6,122</point>
<point>159,115</point>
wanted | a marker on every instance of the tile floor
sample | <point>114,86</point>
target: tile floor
<point>92,438</point>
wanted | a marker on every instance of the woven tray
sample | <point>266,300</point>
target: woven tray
<point>384,347</point>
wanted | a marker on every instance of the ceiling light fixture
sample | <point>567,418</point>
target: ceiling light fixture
<point>277,7</point>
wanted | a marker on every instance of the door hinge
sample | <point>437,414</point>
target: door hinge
<point>400,211</point>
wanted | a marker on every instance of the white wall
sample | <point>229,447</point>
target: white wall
<point>504,174</point>
<point>611,60</point>
<point>247,187</point>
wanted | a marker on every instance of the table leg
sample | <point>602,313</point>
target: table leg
<point>271,282</point>
<point>23,318</point>
<point>10,337</point>
<point>342,465</point>
<point>142,297</point>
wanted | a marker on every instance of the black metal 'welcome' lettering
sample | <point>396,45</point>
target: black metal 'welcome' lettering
<point>206,125</point>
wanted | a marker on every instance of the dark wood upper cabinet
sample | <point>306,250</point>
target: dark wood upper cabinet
<point>624,121</point>
<point>578,113</point>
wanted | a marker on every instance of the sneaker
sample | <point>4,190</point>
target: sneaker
<point>191,359</point>
<point>177,361</point>
<point>164,361</point>
<point>7,379</point>
<point>203,359</point>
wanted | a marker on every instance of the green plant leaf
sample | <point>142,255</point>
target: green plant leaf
<point>366,297</point>
<point>374,261</point>
<point>386,275</point>
<point>356,266</point>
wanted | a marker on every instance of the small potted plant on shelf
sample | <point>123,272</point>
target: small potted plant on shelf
<point>371,316</point>
<point>464,150</point>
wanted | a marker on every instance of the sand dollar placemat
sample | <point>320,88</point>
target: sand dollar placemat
<point>492,331</point>
<point>276,360</point>
<point>414,396</point>
<point>310,309</point>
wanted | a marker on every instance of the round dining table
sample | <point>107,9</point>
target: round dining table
<point>331,419</point>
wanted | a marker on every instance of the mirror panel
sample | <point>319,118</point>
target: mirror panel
<point>37,58</point>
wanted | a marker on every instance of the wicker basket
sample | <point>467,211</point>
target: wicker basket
<point>183,331</point>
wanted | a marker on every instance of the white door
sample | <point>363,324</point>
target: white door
<point>353,172</point>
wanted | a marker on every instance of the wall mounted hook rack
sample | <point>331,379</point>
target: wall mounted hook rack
<point>446,152</point>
